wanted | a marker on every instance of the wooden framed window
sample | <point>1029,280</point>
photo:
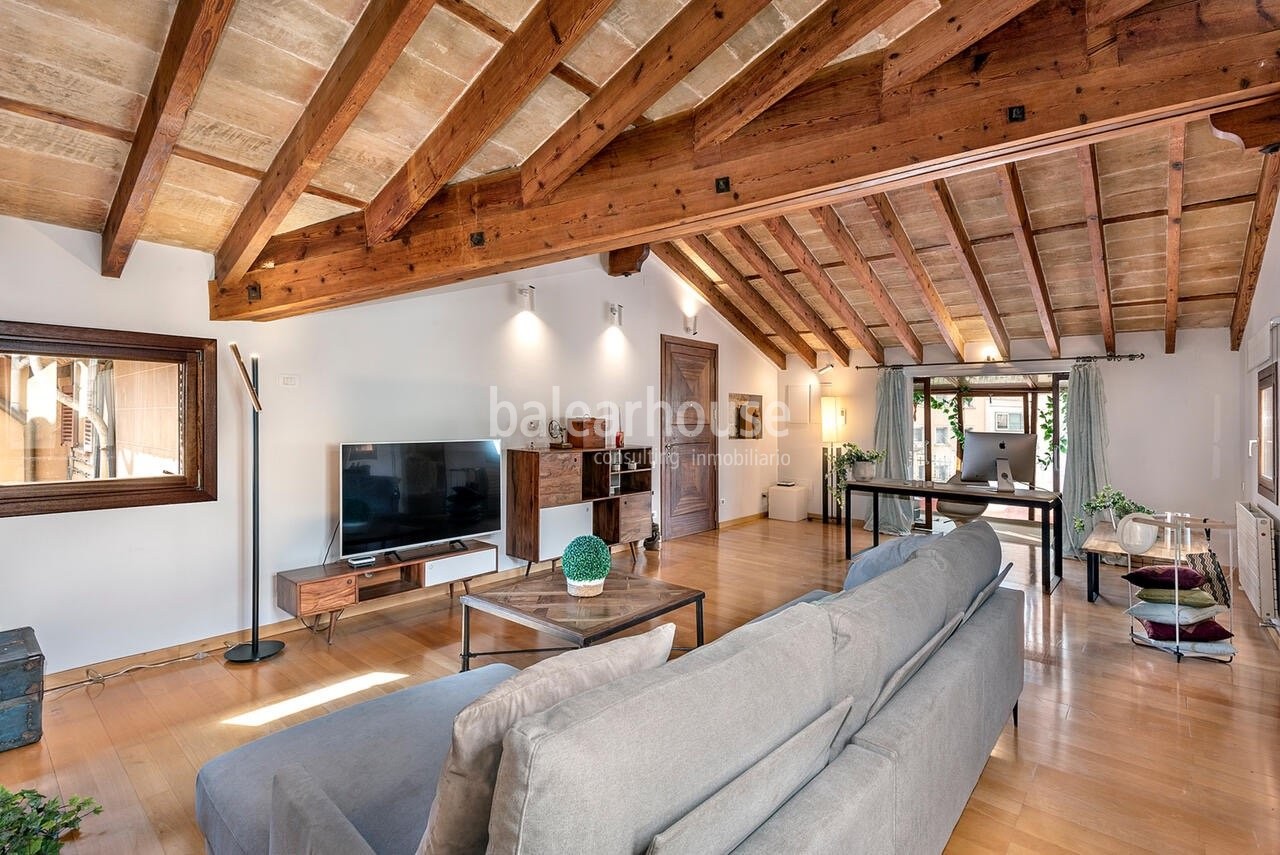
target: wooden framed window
<point>1267,426</point>
<point>94,418</point>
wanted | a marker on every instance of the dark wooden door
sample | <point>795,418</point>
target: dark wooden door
<point>688,460</point>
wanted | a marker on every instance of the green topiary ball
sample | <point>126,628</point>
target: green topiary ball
<point>586,559</point>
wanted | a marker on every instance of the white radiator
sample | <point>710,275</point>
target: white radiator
<point>1255,536</point>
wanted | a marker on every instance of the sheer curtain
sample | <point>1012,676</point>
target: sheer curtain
<point>1086,459</point>
<point>893,437</point>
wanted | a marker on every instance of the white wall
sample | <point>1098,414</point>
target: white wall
<point>103,584</point>
<point>1173,420</point>
<point>1266,306</point>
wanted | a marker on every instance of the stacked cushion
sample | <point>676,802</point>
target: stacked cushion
<point>1195,597</point>
<point>1170,613</point>
<point>459,818</point>
<point>1163,576</point>
<point>1206,630</point>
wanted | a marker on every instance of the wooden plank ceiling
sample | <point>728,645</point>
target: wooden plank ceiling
<point>332,123</point>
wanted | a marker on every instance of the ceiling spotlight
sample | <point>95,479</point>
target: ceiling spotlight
<point>691,324</point>
<point>615,313</point>
<point>525,294</point>
<point>825,368</point>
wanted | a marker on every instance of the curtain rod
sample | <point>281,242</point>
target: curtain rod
<point>1118,357</point>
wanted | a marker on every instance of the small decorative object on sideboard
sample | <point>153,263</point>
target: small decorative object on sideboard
<point>586,563</point>
<point>586,432</point>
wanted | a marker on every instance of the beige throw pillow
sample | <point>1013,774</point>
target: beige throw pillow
<point>459,819</point>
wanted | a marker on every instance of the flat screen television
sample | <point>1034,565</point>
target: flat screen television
<point>401,495</point>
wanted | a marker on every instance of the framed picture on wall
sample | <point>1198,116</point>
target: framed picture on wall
<point>1267,426</point>
<point>748,413</point>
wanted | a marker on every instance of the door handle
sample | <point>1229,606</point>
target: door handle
<point>668,445</point>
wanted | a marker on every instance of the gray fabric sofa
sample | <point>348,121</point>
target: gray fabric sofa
<point>671,759</point>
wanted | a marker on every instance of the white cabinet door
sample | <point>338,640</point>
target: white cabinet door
<point>558,526</point>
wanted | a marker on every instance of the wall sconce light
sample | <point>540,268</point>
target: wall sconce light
<point>526,294</point>
<point>825,363</point>
<point>823,369</point>
<point>615,313</point>
<point>691,324</point>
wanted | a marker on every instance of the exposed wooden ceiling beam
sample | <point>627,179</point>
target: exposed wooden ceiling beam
<point>847,248</point>
<point>809,150</point>
<point>549,32</point>
<point>1264,211</point>
<point>1100,13</point>
<point>628,260</point>
<point>686,269</point>
<point>891,227</point>
<point>758,260</point>
<point>958,238</point>
<point>499,33</point>
<point>1173,236</point>
<point>375,44</point>
<point>956,25</point>
<point>188,49</point>
<point>824,34</point>
<point>1255,128</point>
<point>794,246</point>
<point>1097,243</point>
<point>66,120</point>
<point>750,297</point>
<point>687,39</point>
<point>1016,207</point>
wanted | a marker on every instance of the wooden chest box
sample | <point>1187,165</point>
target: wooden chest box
<point>586,433</point>
<point>21,685</point>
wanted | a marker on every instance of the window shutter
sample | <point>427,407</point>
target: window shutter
<point>66,415</point>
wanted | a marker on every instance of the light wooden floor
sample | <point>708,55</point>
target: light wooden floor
<point>1120,748</point>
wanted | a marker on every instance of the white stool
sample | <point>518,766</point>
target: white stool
<point>788,503</point>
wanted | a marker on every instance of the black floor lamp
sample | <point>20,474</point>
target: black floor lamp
<point>255,650</point>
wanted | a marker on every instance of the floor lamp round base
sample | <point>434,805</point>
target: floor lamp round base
<point>246,653</point>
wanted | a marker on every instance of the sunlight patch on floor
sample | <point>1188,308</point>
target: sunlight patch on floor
<point>272,712</point>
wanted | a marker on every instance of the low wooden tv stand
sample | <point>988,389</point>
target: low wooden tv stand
<point>310,592</point>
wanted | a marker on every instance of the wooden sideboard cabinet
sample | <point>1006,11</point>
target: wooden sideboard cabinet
<point>555,495</point>
<point>309,592</point>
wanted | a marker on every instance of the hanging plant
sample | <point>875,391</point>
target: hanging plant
<point>1045,459</point>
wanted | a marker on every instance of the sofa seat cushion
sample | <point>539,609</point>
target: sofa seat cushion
<point>606,770</point>
<point>305,821</point>
<point>970,558</point>
<point>378,762</point>
<point>740,807</point>
<point>878,626</point>
<point>458,823</point>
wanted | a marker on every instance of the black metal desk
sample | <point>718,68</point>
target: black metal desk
<point>1049,504</point>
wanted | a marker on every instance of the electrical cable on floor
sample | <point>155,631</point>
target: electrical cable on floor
<point>95,678</point>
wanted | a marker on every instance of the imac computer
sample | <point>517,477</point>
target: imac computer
<point>1000,457</point>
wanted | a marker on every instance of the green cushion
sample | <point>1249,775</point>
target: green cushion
<point>1194,597</point>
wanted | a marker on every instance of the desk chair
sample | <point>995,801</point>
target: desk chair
<point>960,512</point>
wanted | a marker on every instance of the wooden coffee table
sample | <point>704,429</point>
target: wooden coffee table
<point>541,602</point>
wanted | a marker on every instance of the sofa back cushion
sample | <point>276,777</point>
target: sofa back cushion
<point>740,807</point>
<point>458,823</point>
<point>877,560</point>
<point>970,558</point>
<point>606,770</point>
<point>879,625</point>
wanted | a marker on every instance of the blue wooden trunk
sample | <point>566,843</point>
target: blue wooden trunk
<point>21,686</point>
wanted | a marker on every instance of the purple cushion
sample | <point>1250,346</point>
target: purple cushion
<point>1206,630</point>
<point>1161,576</point>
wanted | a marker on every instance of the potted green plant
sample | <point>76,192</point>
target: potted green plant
<point>1110,501</point>
<point>852,463</point>
<point>586,562</point>
<point>34,824</point>
<point>857,464</point>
